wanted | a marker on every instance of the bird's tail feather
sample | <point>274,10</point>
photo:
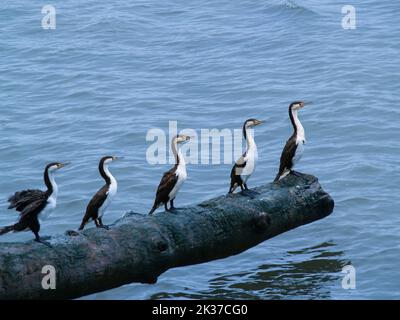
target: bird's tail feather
<point>232,187</point>
<point>155,206</point>
<point>5,230</point>
<point>282,174</point>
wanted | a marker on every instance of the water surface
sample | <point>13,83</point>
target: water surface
<point>113,70</point>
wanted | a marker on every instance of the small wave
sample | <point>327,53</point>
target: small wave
<point>291,6</point>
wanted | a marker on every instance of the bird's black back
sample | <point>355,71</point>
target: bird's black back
<point>237,169</point>
<point>96,202</point>
<point>287,155</point>
<point>167,183</point>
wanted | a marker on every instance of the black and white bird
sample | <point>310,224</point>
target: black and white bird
<point>293,150</point>
<point>103,198</point>
<point>35,205</point>
<point>173,179</point>
<point>245,165</point>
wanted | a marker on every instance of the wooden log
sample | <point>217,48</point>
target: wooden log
<point>139,248</point>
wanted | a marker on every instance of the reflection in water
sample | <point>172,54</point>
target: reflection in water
<point>304,274</point>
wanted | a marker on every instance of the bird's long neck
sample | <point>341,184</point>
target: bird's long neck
<point>297,126</point>
<point>52,188</point>
<point>106,174</point>
<point>251,145</point>
<point>179,159</point>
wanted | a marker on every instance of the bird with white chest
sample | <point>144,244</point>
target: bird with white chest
<point>35,205</point>
<point>245,165</point>
<point>294,147</point>
<point>102,199</point>
<point>173,179</point>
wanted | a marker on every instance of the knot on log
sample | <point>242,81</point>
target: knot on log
<point>71,233</point>
<point>261,222</point>
<point>162,246</point>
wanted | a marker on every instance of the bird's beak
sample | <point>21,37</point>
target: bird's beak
<point>307,103</point>
<point>117,158</point>
<point>64,164</point>
<point>260,122</point>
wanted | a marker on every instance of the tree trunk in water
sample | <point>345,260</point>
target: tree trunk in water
<point>139,248</point>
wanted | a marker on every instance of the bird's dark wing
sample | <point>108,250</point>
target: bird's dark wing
<point>239,165</point>
<point>288,153</point>
<point>20,200</point>
<point>166,185</point>
<point>236,172</point>
<point>29,216</point>
<point>95,203</point>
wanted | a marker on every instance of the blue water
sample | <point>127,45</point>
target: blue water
<point>112,70</point>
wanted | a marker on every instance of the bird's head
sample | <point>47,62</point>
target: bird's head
<point>182,138</point>
<point>297,105</point>
<point>251,123</point>
<point>54,166</point>
<point>109,159</point>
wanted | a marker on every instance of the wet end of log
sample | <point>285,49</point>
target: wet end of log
<point>139,248</point>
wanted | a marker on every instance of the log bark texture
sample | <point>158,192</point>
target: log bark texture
<point>139,248</point>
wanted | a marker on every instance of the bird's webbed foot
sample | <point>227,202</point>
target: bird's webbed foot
<point>172,208</point>
<point>40,240</point>
<point>99,224</point>
<point>296,173</point>
<point>253,192</point>
<point>248,193</point>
